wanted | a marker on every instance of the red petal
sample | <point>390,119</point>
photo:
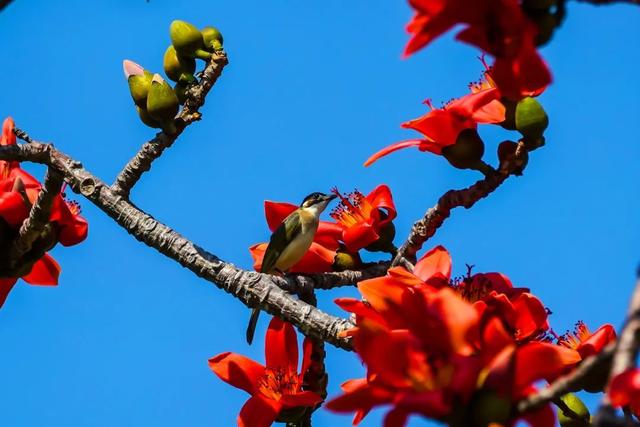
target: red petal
<point>382,293</point>
<point>381,198</point>
<point>328,235</point>
<point>543,417</point>
<point>531,316</point>
<point>440,126</point>
<point>237,370</point>
<point>597,341</point>
<point>537,360</point>
<point>45,272</point>
<point>8,137</point>
<point>13,209</point>
<point>364,397</point>
<point>5,287</point>
<point>397,417</point>
<point>359,236</point>
<point>276,212</point>
<point>304,398</point>
<point>307,349</point>
<point>258,412</point>
<point>281,346</point>
<point>391,148</point>
<point>436,262</point>
<point>493,112</point>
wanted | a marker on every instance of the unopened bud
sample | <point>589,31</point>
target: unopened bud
<point>187,40</point>
<point>531,119</point>
<point>579,415</point>
<point>162,102</point>
<point>509,163</point>
<point>385,240</point>
<point>177,67</point>
<point>212,39</point>
<point>139,81</point>
<point>467,152</point>
<point>546,23</point>
<point>146,118</point>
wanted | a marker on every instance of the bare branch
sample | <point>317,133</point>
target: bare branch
<point>426,227</point>
<point>38,218</point>
<point>298,283</point>
<point>154,148</point>
<point>249,287</point>
<point>4,3</point>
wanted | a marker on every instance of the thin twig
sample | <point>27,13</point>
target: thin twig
<point>251,288</point>
<point>154,148</point>
<point>38,218</point>
<point>425,228</point>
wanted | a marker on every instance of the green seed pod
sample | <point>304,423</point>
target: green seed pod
<point>139,81</point>
<point>531,119</point>
<point>580,417</point>
<point>345,260</point>
<point>212,39</point>
<point>177,67</point>
<point>162,102</point>
<point>489,408</point>
<point>187,40</point>
<point>467,152</point>
<point>146,118</point>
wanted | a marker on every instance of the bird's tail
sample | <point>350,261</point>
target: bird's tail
<point>253,322</point>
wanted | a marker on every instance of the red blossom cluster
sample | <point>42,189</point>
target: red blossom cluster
<point>18,192</point>
<point>360,222</point>
<point>464,351</point>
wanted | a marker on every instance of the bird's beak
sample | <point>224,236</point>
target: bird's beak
<point>330,197</point>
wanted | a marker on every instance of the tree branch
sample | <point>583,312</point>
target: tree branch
<point>154,148</point>
<point>426,227</point>
<point>4,3</point>
<point>249,287</point>
<point>38,218</point>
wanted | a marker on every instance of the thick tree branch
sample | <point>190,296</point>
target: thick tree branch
<point>249,287</point>
<point>330,280</point>
<point>154,148</point>
<point>38,218</point>
<point>425,228</point>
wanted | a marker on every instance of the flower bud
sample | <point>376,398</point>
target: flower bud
<point>508,160</point>
<point>187,40</point>
<point>467,152</point>
<point>146,118</point>
<point>139,81</point>
<point>580,417</point>
<point>345,260</point>
<point>162,103</point>
<point>177,67</point>
<point>385,242</point>
<point>212,39</point>
<point>531,119</point>
<point>546,23</point>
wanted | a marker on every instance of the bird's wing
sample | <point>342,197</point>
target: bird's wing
<point>284,234</point>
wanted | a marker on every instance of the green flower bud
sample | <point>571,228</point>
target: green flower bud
<point>531,119</point>
<point>488,407</point>
<point>162,103</point>
<point>345,260</point>
<point>467,152</point>
<point>177,67</point>
<point>146,118</point>
<point>212,39</point>
<point>580,417</point>
<point>139,81</point>
<point>385,241</point>
<point>187,40</point>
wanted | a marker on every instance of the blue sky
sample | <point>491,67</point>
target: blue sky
<point>312,89</point>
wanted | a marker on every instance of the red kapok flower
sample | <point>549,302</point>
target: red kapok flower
<point>585,342</point>
<point>320,256</point>
<point>274,388</point>
<point>441,126</point>
<point>624,390</point>
<point>44,272</point>
<point>364,219</point>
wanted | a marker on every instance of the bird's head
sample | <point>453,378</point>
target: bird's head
<point>317,202</point>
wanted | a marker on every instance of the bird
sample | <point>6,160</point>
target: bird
<point>290,241</point>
